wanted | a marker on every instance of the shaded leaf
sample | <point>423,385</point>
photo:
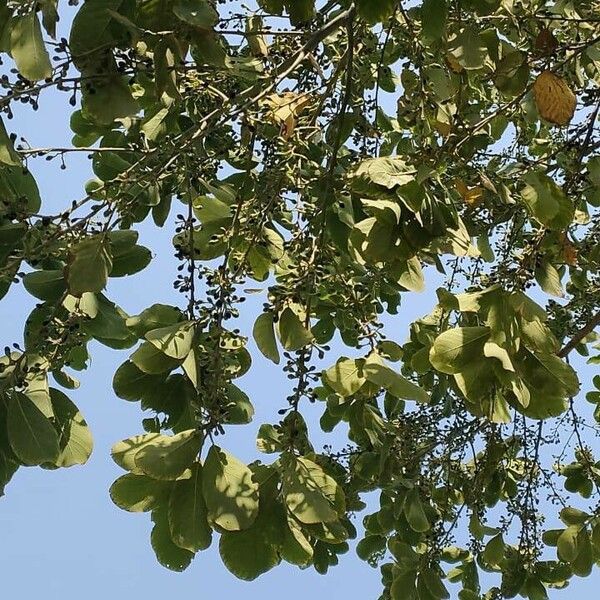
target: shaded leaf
<point>231,494</point>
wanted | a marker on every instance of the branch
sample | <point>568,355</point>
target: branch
<point>580,335</point>
<point>89,149</point>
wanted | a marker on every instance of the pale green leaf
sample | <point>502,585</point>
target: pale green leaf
<point>457,348</point>
<point>8,154</point>
<point>346,377</point>
<point>123,452</point>
<point>27,48</point>
<point>149,359</point>
<point>546,201</point>
<point>174,341</point>
<point>74,436</point>
<point>89,266</point>
<point>167,457</point>
<point>310,494</point>
<point>376,372</point>
<point>230,493</point>
<point>139,493</point>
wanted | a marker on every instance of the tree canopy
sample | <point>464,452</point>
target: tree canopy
<point>336,157</point>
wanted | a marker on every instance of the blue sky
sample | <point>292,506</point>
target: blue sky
<point>62,538</point>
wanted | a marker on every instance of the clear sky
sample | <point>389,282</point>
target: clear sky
<point>61,538</point>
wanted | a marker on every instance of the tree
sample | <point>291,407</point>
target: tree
<point>270,147</point>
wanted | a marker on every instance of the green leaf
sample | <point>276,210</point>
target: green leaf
<point>550,537</point>
<point>434,584</point>
<point>32,437</point>
<point>574,516</point>
<point>269,439</point>
<point>292,333</point>
<point>94,27</point>
<point>414,512</point>
<point>346,377</point>
<point>376,12</point>
<point>106,99</point>
<point>154,317</point>
<point>130,383</point>
<point>386,172</point>
<point>567,543</point>
<point>469,49</point>
<point>174,341</point>
<point>7,469</point>
<point>239,408</point>
<point>371,546</point>
<point>393,382</point>
<point>74,436</point>
<point>434,15</point>
<point>139,493</point>
<point>89,266</point>
<point>154,126</point>
<point>19,191</point>
<point>168,554</point>
<point>149,359</point>
<point>109,324</point>
<point>198,13</point>
<point>8,154</point>
<point>123,452</point>
<point>457,348</point>
<point>167,457</point>
<point>45,285</point>
<point>300,11</point>
<point>231,494</point>
<point>27,48</point>
<point>494,550</point>
<point>131,261</point>
<point>596,537</point>
<point>274,7</point>
<point>295,548</point>
<point>549,279</point>
<point>546,201</point>
<point>512,74</point>
<point>409,274</point>
<point>404,586</point>
<point>310,494</point>
<point>5,23</point>
<point>264,336</point>
<point>188,513</point>
<point>247,554</point>
<point>558,371</point>
<point>584,562</point>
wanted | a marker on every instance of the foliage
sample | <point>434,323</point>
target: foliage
<point>273,156</point>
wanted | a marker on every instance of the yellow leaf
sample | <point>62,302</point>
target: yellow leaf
<point>569,251</point>
<point>284,110</point>
<point>471,196</point>
<point>256,41</point>
<point>554,99</point>
<point>453,63</point>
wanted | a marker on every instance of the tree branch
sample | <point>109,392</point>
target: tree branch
<point>580,335</point>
